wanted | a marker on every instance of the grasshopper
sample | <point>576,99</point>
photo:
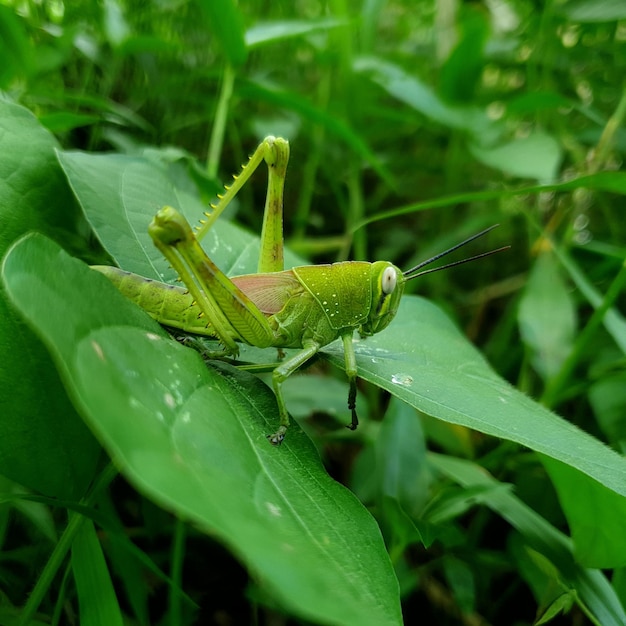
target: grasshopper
<point>305,307</point>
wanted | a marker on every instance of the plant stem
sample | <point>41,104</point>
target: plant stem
<point>178,557</point>
<point>219,123</point>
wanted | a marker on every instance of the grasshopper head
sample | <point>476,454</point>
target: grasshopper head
<point>388,283</point>
<point>387,287</point>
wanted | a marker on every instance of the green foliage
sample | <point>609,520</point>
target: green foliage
<point>46,446</point>
<point>215,468</point>
<point>411,127</point>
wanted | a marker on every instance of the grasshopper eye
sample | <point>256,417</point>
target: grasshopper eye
<point>388,280</point>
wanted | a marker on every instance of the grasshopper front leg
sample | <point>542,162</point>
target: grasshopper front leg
<point>280,374</point>
<point>286,369</point>
<point>351,372</point>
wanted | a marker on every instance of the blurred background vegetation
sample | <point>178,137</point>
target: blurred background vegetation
<point>412,123</point>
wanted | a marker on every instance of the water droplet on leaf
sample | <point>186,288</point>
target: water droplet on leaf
<point>402,379</point>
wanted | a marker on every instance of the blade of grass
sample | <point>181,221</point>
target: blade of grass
<point>61,549</point>
<point>219,123</point>
<point>96,597</point>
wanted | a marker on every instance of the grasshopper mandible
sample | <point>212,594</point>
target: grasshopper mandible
<point>305,307</point>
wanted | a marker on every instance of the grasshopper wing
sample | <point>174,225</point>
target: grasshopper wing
<point>270,292</point>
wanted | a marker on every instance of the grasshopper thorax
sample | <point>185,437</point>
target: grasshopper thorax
<point>387,285</point>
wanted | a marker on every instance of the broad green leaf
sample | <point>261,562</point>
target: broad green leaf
<point>414,93</point>
<point>424,360</point>
<point>547,316</point>
<point>44,444</point>
<point>96,597</point>
<point>192,438</point>
<point>120,195</point>
<point>597,543</point>
<point>537,156</point>
<point>591,585</point>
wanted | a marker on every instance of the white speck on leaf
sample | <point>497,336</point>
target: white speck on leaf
<point>169,400</point>
<point>274,509</point>
<point>97,348</point>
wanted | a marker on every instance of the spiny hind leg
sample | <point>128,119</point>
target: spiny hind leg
<point>275,152</point>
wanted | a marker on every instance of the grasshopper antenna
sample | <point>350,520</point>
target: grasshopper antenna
<point>414,273</point>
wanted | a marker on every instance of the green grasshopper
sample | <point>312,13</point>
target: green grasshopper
<point>305,307</point>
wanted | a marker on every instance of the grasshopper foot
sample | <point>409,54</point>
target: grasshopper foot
<point>277,438</point>
<point>355,420</point>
